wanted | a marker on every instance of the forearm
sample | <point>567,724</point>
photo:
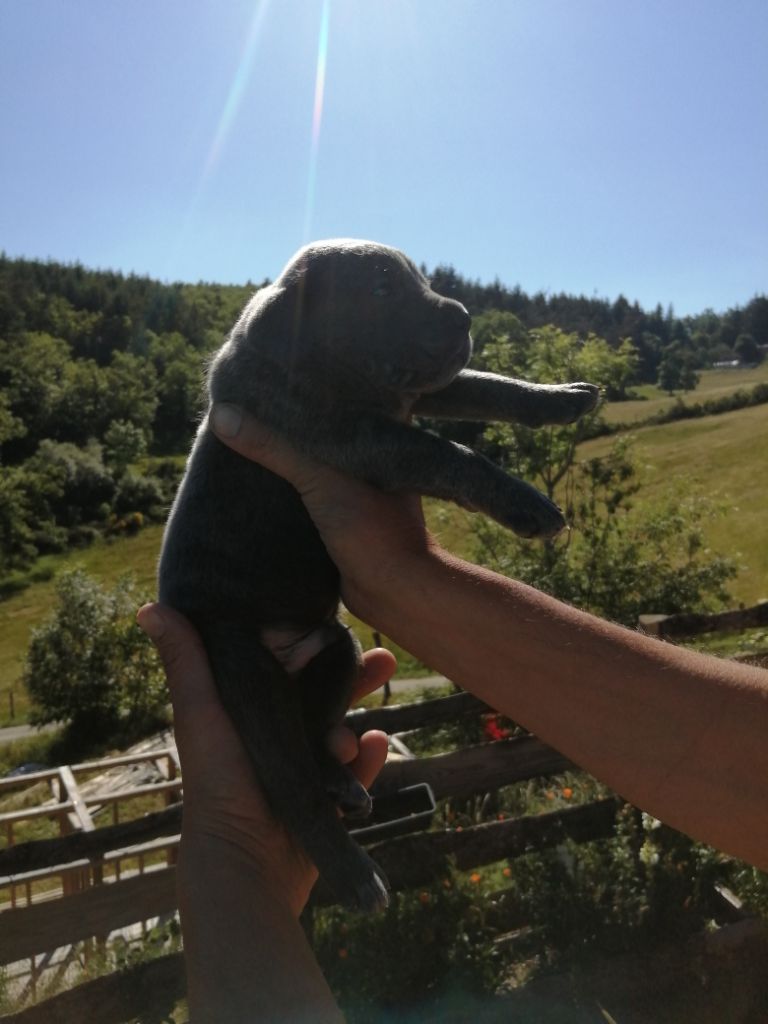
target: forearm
<point>681,735</point>
<point>246,956</point>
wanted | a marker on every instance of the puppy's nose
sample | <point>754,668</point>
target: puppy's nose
<point>457,316</point>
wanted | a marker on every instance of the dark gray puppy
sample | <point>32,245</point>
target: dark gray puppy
<point>337,355</point>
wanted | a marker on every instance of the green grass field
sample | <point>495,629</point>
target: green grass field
<point>725,457</point>
<point>106,561</point>
<point>713,384</point>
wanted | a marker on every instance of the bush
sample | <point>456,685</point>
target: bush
<point>90,664</point>
<point>139,494</point>
<point>426,943</point>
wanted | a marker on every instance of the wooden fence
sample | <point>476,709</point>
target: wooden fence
<point>70,888</point>
<point>93,897</point>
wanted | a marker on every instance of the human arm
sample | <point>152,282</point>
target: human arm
<point>679,734</point>
<point>242,880</point>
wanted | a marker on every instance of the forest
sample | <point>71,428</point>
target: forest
<point>101,382</point>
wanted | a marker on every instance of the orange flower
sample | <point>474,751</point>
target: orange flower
<point>567,792</point>
<point>501,816</point>
<point>474,877</point>
<point>507,872</point>
<point>549,795</point>
<point>424,897</point>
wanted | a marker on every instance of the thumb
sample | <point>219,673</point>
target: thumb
<point>182,654</point>
<point>251,438</point>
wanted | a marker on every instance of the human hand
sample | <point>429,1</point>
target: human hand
<point>222,798</point>
<point>374,538</point>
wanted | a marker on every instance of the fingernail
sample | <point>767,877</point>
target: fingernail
<point>226,419</point>
<point>150,621</point>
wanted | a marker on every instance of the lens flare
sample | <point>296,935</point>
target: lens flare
<point>317,116</point>
<point>236,89</point>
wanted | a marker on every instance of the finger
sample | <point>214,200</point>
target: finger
<point>379,665</point>
<point>342,743</point>
<point>371,756</point>
<point>365,756</point>
<point>181,651</point>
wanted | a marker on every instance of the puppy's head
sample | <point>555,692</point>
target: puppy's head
<point>365,310</point>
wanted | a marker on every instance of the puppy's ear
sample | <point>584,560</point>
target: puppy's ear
<point>273,323</point>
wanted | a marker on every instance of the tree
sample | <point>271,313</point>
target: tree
<point>32,368</point>
<point>747,350</point>
<point>17,546</point>
<point>90,664</point>
<point>619,559</point>
<point>676,370</point>
<point>124,443</point>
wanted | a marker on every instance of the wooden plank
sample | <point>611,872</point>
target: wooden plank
<point>32,779</point>
<point>46,853</point>
<point>46,811</point>
<point>116,762</point>
<point>81,813</point>
<point>43,927</point>
<point>475,769</point>
<point>110,796</point>
<point>403,717</point>
<point>147,991</point>
<point>694,624</point>
<point>422,858</point>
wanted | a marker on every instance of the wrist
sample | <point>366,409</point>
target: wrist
<point>401,587</point>
<point>279,873</point>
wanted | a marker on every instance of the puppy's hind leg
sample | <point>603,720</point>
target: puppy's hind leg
<point>264,707</point>
<point>325,686</point>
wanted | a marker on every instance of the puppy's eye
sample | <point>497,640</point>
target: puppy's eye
<point>382,290</point>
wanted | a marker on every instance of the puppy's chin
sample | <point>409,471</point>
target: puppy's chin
<point>448,368</point>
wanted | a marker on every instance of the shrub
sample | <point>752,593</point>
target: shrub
<point>427,942</point>
<point>139,494</point>
<point>90,664</point>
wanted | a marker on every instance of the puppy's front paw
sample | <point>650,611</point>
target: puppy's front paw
<point>560,404</point>
<point>535,518</point>
<point>578,399</point>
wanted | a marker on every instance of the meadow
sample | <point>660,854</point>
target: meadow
<point>713,384</point>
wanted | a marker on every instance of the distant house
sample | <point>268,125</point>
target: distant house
<point>729,364</point>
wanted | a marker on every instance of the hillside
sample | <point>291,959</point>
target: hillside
<point>725,457</point>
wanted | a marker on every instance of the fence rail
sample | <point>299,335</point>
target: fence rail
<point>688,624</point>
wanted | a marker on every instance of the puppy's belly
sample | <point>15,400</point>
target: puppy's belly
<point>294,647</point>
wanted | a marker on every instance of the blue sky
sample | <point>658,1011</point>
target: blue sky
<point>587,146</point>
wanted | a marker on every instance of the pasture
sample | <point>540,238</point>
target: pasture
<point>725,457</point>
<point>713,384</point>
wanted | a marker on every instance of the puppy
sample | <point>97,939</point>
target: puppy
<point>338,354</point>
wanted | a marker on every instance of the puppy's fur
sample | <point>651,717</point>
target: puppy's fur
<point>337,355</point>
